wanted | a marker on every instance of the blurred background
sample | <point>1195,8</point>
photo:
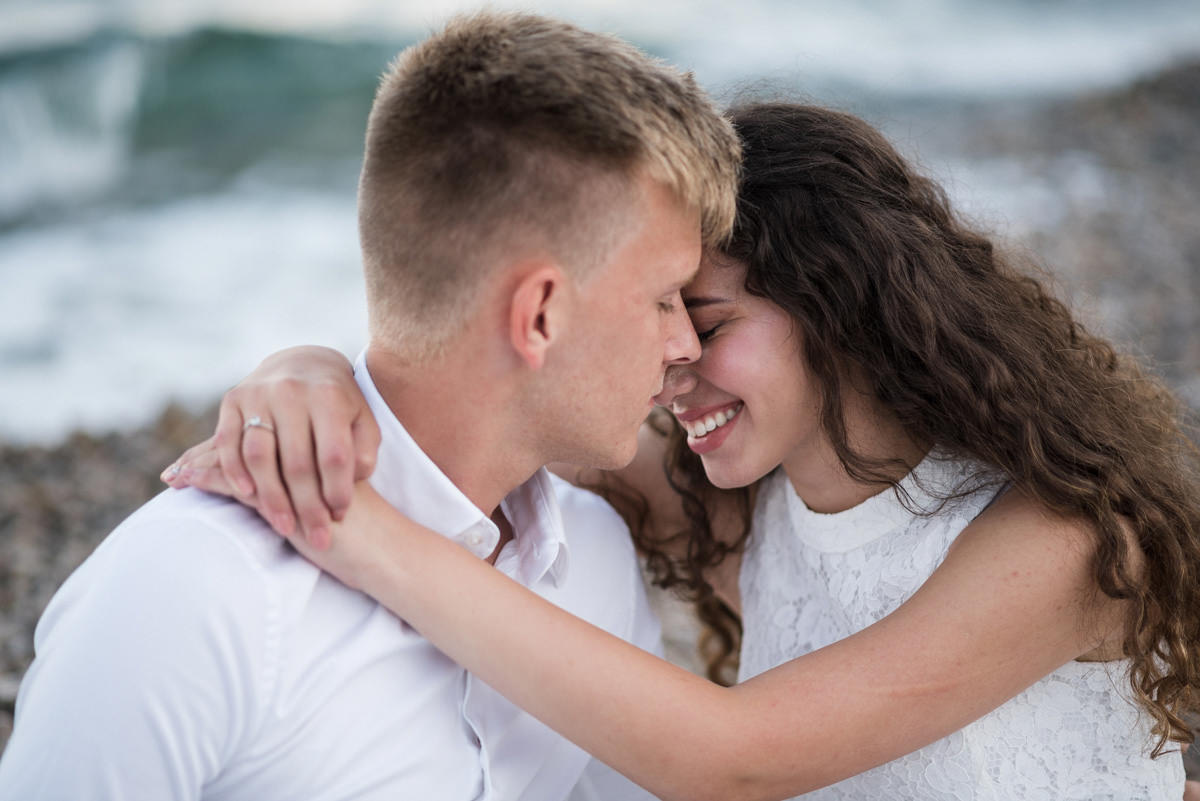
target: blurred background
<point>177,195</point>
<point>177,176</point>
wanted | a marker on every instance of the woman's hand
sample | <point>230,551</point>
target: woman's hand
<point>291,440</point>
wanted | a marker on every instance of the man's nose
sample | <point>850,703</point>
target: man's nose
<point>683,346</point>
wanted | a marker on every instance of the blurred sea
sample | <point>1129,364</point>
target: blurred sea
<point>177,176</point>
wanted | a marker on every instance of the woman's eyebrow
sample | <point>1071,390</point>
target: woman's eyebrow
<point>703,300</point>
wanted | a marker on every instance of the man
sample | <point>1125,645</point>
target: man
<point>532,199</point>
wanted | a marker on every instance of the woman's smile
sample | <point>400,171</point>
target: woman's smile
<point>707,429</point>
<point>713,438</point>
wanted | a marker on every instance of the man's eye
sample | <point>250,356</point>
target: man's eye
<point>666,306</point>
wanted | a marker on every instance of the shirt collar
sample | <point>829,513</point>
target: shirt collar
<point>410,481</point>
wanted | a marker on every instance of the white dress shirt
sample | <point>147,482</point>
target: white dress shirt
<point>196,655</point>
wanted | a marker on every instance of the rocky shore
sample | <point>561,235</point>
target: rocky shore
<point>56,504</point>
<point>1120,172</point>
<point>1113,209</point>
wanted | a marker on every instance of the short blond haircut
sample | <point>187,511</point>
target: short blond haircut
<point>508,131</point>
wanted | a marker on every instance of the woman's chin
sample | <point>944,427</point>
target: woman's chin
<point>732,476</point>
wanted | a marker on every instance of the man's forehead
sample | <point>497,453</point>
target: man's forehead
<point>686,276</point>
<point>717,275</point>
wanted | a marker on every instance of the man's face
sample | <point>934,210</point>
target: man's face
<point>628,325</point>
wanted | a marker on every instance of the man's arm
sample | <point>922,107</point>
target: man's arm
<point>147,670</point>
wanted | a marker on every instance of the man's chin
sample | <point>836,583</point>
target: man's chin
<point>616,456</point>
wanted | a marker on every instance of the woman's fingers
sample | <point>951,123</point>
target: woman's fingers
<point>298,468</point>
<point>228,441</point>
<point>336,461</point>
<point>199,467</point>
<point>202,469</point>
<point>178,472</point>
<point>366,444</point>
<point>260,453</point>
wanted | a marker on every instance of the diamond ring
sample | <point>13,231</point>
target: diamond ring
<point>257,422</point>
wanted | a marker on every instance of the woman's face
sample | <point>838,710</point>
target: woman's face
<point>748,403</point>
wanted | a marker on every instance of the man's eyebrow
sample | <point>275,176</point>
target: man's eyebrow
<point>690,277</point>
<point>703,300</point>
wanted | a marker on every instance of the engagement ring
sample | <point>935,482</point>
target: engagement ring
<point>257,422</point>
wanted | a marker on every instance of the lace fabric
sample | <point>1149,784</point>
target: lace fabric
<point>808,580</point>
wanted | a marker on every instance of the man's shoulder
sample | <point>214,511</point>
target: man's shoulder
<point>601,550</point>
<point>192,553</point>
<point>166,640</point>
<point>590,520</point>
<point>193,525</point>
<point>605,576</point>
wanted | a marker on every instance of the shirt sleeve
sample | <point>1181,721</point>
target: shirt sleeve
<point>148,664</point>
<point>599,782</point>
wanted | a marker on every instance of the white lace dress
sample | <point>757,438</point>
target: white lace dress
<point>810,579</point>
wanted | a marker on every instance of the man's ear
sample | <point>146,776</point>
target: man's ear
<point>536,315</point>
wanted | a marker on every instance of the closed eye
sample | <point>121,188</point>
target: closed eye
<point>704,336</point>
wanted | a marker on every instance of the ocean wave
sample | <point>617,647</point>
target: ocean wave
<point>65,125</point>
<point>117,116</point>
<point>108,101</point>
<point>102,320</point>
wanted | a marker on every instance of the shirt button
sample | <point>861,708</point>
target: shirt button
<point>474,539</point>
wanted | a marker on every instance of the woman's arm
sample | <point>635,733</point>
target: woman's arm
<point>1012,602</point>
<point>301,474</point>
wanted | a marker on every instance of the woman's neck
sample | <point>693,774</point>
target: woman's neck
<point>822,482</point>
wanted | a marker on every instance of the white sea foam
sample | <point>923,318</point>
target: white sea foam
<point>66,137</point>
<point>102,321</point>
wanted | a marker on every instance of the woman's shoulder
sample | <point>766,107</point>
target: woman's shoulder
<point>1024,520</point>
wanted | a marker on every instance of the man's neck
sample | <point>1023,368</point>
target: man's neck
<point>460,420</point>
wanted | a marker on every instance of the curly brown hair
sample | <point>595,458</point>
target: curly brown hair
<point>972,356</point>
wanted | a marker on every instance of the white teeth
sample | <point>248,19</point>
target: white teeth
<point>700,428</point>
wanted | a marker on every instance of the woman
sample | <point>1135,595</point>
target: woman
<point>962,532</point>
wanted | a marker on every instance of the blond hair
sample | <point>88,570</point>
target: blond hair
<point>507,131</point>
